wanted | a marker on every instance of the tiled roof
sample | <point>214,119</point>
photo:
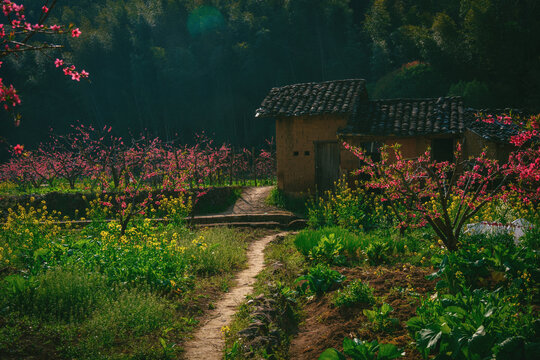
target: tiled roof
<point>407,117</point>
<point>339,96</point>
<point>497,130</point>
<point>383,118</point>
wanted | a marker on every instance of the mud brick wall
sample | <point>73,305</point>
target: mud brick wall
<point>295,146</point>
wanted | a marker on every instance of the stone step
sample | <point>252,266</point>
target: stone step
<point>293,225</point>
<point>281,218</point>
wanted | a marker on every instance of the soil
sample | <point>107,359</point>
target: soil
<point>325,326</point>
<point>208,343</point>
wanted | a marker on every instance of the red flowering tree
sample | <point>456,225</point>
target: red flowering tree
<point>526,161</point>
<point>17,34</point>
<point>446,195</point>
<point>103,152</point>
<point>133,193</point>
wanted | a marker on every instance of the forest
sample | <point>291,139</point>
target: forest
<point>172,68</point>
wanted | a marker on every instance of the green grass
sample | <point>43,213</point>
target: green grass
<point>94,294</point>
<point>281,200</point>
<point>64,295</point>
<point>91,318</point>
<point>284,264</point>
<point>86,186</point>
<point>132,313</point>
<point>225,251</point>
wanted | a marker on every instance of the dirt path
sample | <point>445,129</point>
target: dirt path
<point>252,201</point>
<point>208,343</point>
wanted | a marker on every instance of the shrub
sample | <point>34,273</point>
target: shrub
<point>378,252</point>
<point>413,80</point>
<point>531,240</point>
<point>475,93</point>
<point>29,235</point>
<point>320,279</point>
<point>355,293</point>
<point>175,208</point>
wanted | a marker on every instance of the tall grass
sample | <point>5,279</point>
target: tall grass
<point>218,251</point>
<point>131,313</point>
<point>67,295</point>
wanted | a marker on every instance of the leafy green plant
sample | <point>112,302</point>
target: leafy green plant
<point>362,350</point>
<point>378,252</point>
<point>320,279</point>
<point>349,244</point>
<point>474,325</point>
<point>306,240</point>
<point>329,250</point>
<point>380,317</point>
<point>489,262</point>
<point>169,349</point>
<point>355,293</point>
<point>531,240</point>
<point>233,352</point>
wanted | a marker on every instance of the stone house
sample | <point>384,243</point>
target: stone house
<point>314,119</point>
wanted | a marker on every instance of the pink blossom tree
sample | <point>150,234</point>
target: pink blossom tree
<point>133,193</point>
<point>17,34</point>
<point>446,195</point>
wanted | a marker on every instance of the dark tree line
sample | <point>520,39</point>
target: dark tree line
<point>175,67</point>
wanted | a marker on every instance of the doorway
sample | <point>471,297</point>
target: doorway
<point>327,160</point>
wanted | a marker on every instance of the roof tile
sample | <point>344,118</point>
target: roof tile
<point>339,96</point>
<point>408,117</point>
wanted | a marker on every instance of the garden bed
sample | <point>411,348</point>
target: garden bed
<point>325,326</point>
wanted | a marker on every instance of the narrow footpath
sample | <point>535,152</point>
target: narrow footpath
<point>208,342</point>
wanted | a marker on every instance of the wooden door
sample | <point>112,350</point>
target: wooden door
<point>326,164</point>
